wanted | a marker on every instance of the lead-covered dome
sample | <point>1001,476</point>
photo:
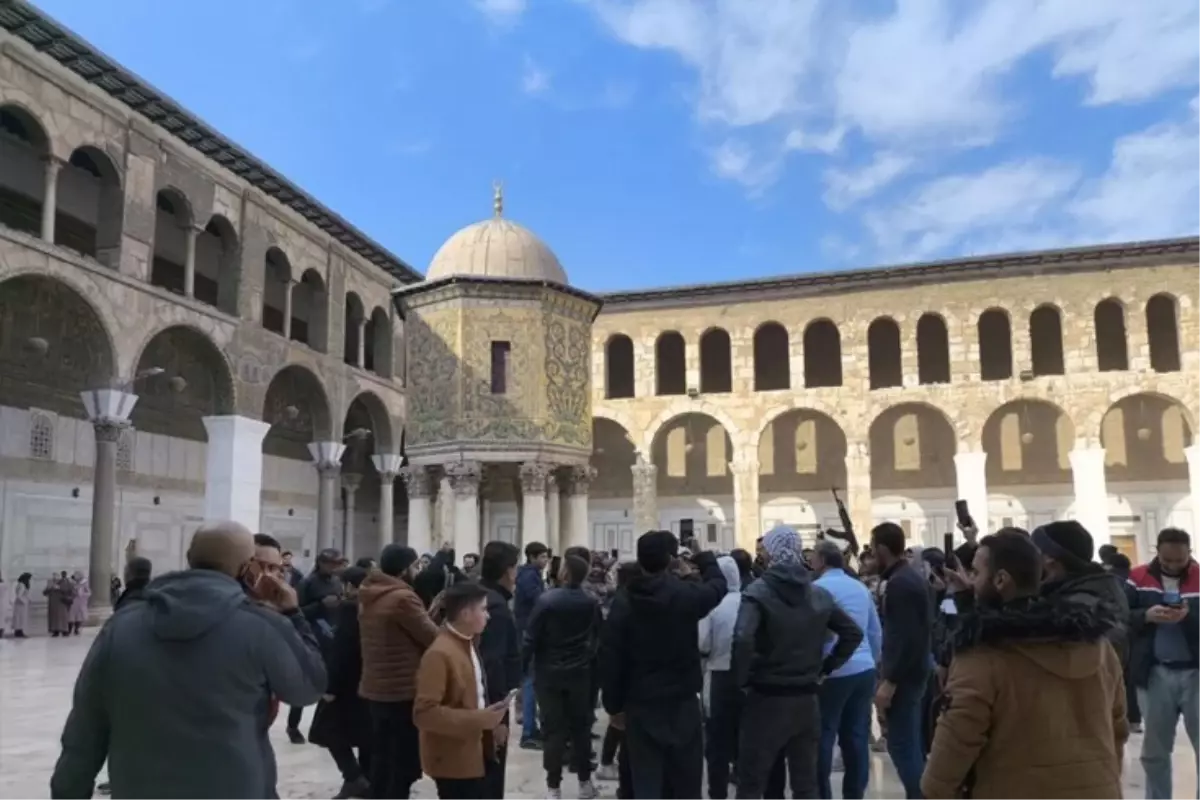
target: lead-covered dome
<point>496,248</point>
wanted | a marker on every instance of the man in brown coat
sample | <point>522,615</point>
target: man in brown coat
<point>1037,701</point>
<point>459,729</point>
<point>395,631</point>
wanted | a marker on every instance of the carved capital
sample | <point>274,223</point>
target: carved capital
<point>388,466</point>
<point>534,476</point>
<point>109,430</point>
<point>579,478</point>
<point>327,456</point>
<point>329,469</point>
<point>464,477</point>
<point>416,481</point>
<point>351,481</point>
<point>644,474</point>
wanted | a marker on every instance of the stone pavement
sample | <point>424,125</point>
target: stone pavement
<point>37,676</point>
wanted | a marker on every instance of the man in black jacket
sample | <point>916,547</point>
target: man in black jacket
<point>560,644</point>
<point>319,596</point>
<point>907,659</point>
<point>778,661</point>
<point>499,647</point>
<point>650,667</point>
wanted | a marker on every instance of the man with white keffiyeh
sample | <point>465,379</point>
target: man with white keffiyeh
<point>779,661</point>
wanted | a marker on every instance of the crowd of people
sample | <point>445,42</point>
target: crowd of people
<point>1013,666</point>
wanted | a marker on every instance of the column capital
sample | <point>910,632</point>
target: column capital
<point>108,405</point>
<point>109,430</point>
<point>416,481</point>
<point>351,481</point>
<point>858,451</point>
<point>388,464</point>
<point>744,466</point>
<point>464,477</point>
<point>534,475</point>
<point>327,456</point>
<point>580,477</point>
<point>53,163</point>
<point>643,470</point>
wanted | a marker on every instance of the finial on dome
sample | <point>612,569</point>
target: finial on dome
<point>498,198</point>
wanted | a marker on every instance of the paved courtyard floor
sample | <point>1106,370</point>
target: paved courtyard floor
<point>37,676</point>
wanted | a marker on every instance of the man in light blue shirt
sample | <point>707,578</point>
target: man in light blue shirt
<point>846,696</point>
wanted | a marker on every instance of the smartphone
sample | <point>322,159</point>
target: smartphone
<point>1173,599</point>
<point>948,546</point>
<point>512,695</point>
<point>963,513</point>
<point>615,552</point>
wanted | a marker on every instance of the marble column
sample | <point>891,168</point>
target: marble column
<point>857,496</point>
<point>350,483</point>
<point>190,235</point>
<point>52,165</point>
<point>553,514</point>
<point>645,497</point>
<point>1192,453</point>
<point>388,467</point>
<point>745,501</point>
<point>420,521</point>
<point>575,531</point>
<point>327,458</point>
<point>1091,492</point>
<point>108,410</point>
<point>970,476</point>
<point>533,475</point>
<point>464,483</point>
<point>288,286</point>
<point>233,471</point>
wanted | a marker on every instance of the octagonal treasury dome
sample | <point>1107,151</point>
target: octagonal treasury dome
<point>496,248</point>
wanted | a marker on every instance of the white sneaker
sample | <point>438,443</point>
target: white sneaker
<point>607,772</point>
<point>587,791</point>
<point>554,794</point>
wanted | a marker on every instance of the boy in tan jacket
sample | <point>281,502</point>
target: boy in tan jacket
<point>458,729</point>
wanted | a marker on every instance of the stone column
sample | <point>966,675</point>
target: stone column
<point>553,513</point>
<point>327,458</point>
<point>745,501</point>
<point>388,467</point>
<point>575,531</point>
<point>362,344</point>
<point>1091,492</point>
<point>464,482</point>
<point>190,234</point>
<point>49,210</point>
<point>350,483</point>
<point>420,521</point>
<point>533,475</point>
<point>233,471</point>
<point>1192,453</point>
<point>645,497</point>
<point>487,487</point>
<point>858,491</point>
<point>108,410</point>
<point>288,286</point>
<point>691,358</point>
<point>970,476</point>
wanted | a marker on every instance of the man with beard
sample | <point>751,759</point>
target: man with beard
<point>395,631</point>
<point>1037,702</point>
<point>1164,662</point>
<point>499,649</point>
<point>650,667</point>
<point>779,662</point>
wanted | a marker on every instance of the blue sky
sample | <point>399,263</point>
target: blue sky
<point>657,142</point>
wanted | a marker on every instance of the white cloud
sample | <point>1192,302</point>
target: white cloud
<point>920,79</point>
<point>736,161</point>
<point>501,12</point>
<point>845,187</point>
<point>534,79</point>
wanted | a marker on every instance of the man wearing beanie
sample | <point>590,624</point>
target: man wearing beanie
<point>395,632</point>
<point>650,667</point>
<point>1068,570</point>
<point>779,661</point>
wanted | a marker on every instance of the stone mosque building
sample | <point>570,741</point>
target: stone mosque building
<point>186,335</point>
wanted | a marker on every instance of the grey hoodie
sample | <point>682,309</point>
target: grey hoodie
<point>175,693</point>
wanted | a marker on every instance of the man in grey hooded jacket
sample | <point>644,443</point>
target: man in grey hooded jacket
<point>176,691</point>
<point>722,697</point>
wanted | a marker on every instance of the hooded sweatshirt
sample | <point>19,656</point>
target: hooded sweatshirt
<point>716,630</point>
<point>175,693</point>
<point>1037,704</point>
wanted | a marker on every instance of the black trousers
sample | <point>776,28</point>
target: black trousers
<point>396,750</point>
<point>772,725</point>
<point>293,718</point>
<point>460,788</point>
<point>352,768</point>
<point>566,705</point>
<point>665,746</point>
<point>493,775</point>
<point>721,731</point>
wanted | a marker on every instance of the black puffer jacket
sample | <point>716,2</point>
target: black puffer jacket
<point>778,643</point>
<point>1106,588</point>
<point>562,634</point>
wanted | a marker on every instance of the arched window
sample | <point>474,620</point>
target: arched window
<point>883,354</point>
<point>670,364</point>
<point>716,364</point>
<point>772,361</point>
<point>1112,349</point>
<point>1162,328</point>
<point>90,206</point>
<point>277,288</point>
<point>822,355</point>
<point>1046,341</point>
<point>172,228</point>
<point>933,349</point>
<point>995,345</point>
<point>618,367</point>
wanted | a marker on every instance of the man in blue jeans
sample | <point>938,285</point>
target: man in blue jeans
<point>530,585</point>
<point>906,661</point>
<point>845,696</point>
